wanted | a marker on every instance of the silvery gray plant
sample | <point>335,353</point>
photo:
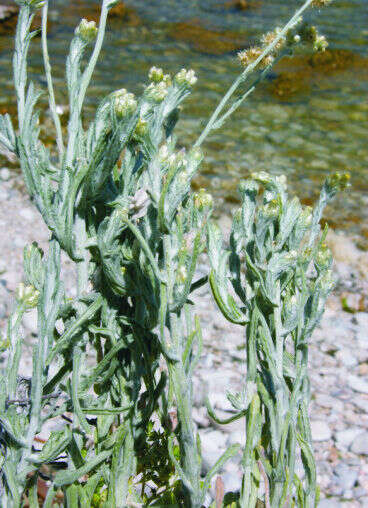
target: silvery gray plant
<point>116,198</point>
<point>274,281</point>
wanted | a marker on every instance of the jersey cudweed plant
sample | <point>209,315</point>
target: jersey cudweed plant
<point>114,365</point>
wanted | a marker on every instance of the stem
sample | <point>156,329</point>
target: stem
<point>46,61</point>
<point>245,74</point>
<point>84,82</point>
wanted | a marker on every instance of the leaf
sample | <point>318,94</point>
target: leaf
<point>68,477</point>
<point>54,446</point>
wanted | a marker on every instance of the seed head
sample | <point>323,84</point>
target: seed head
<point>270,37</point>
<point>251,55</point>
<point>87,31</point>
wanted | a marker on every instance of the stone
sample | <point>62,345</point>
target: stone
<point>344,438</point>
<point>358,384</point>
<point>346,477</point>
<point>360,444</point>
<point>27,214</point>
<point>232,482</point>
<point>329,503</point>
<point>361,404</point>
<point>4,174</point>
<point>12,279</point>
<point>320,430</point>
<point>200,417</point>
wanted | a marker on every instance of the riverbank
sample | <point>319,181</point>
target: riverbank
<point>338,356</point>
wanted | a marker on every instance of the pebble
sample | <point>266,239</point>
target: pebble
<point>339,386</point>
<point>26,213</point>
<point>358,384</point>
<point>360,444</point>
<point>329,503</point>
<point>4,174</point>
<point>344,438</point>
<point>346,477</point>
<point>320,430</point>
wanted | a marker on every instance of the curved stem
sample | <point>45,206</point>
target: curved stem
<point>52,103</point>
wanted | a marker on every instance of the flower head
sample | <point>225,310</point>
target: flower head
<point>124,103</point>
<point>186,78</point>
<point>251,55</point>
<point>27,295</point>
<point>203,200</point>
<point>270,37</point>
<point>157,91</point>
<point>87,30</point>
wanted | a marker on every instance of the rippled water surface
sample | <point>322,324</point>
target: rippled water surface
<point>310,117</point>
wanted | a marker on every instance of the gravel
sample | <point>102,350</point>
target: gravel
<point>338,362</point>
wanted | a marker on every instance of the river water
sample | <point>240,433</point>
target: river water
<point>309,117</point>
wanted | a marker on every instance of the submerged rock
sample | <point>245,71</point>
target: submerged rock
<point>208,41</point>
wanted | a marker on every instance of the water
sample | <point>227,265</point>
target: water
<point>308,118</point>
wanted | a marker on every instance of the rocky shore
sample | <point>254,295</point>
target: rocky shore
<point>338,357</point>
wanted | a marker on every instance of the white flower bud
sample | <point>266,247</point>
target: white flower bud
<point>27,295</point>
<point>186,78</point>
<point>125,103</point>
<point>87,30</point>
<point>157,91</point>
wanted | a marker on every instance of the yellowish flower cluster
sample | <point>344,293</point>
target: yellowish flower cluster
<point>251,55</point>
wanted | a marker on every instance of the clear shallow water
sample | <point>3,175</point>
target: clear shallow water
<point>306,120</point>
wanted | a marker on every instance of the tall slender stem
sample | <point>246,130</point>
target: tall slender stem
<point>52,103</point>
<point>246,73</point>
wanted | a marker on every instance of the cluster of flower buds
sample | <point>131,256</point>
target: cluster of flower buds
<point>337,182</point>
<point>157,91</point>
<point>309,36</point>
<point>182,274</point>
<point>186,78</point>
<point>27,295</point>
<point>87,30</point>
<point>203,200</point>
<point>156,74</point>
<point>124,103</point>
<point>305,218</point>
<point>323,258</point>
<point>252,55</point>
<point>141,128</point>
<point>271,209</point>
<point>172,160</point>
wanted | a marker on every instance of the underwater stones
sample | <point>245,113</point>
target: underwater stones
<point>119,12</point>
<point>298,74</point>
<point>8,18</point>
<point>204,40</point>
